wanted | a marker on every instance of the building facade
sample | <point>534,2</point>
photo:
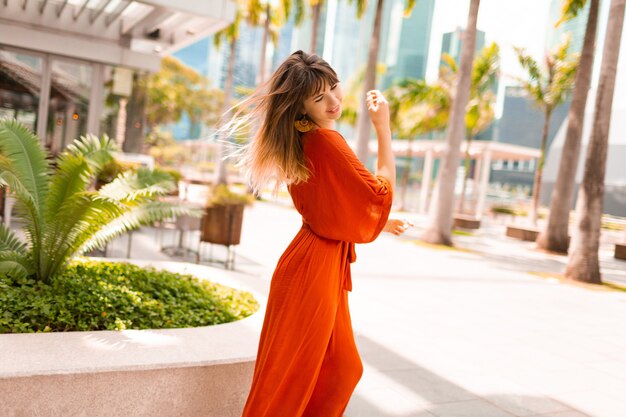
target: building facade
<point>72,67</point>
<point>452,42</point>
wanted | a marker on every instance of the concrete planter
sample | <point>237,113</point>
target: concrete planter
<point>204,371</point>
<point>466,222</point>
<point>525,233</point>
<point>620,251</point>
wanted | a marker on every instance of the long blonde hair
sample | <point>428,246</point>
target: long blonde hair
<point>275,153</point>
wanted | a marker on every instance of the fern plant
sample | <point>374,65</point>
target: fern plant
<point>61,216</point>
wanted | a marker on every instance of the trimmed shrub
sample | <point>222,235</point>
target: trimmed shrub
<point>91,295</point>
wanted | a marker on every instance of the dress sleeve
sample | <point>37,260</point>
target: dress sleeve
<point>342,200</point>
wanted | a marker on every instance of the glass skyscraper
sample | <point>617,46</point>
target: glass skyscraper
<point>344,39</point>
<point>452,42</point>
<point>574,27</point>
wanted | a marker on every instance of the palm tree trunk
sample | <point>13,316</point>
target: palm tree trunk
<point>583,264</point>
<point>468,160</point>
<point>405,176</point>
<point>363,120</point>
<point>555,235</point>
<point>315,22</point>
<point>220,169</point>
<point>534,208</point>
<point>135,113</point>
<point>440,228</point>
<point>266,31</point>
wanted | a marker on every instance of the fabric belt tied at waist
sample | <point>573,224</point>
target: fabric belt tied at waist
<point>347,281</point>
<point>350,257</point>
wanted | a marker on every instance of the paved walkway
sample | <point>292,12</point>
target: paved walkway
<point>452,333</point>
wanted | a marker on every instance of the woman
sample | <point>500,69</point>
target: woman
<point>307,363</point>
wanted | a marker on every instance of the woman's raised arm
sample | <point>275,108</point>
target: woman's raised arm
<point>378,108</point>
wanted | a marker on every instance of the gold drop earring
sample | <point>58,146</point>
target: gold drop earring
<point>303,125</point>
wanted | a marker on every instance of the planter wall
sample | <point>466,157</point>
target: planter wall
<point>201,371</point>
<point>210,391</point>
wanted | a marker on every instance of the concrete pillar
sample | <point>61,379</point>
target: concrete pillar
<point>8,208</point>
<point>44,98</point>
<point>476,181</point>
<point>484,183</point>
<point>95,99</point>
<point>427,173</point>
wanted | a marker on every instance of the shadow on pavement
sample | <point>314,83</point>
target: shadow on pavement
<point>422,393</point>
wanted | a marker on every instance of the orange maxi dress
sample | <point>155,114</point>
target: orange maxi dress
<point>307,363</point>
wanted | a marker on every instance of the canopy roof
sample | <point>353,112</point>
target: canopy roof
<point>478,148</point>
<point>117,32</point>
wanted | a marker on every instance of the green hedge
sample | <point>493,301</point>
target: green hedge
<point>92,295</point>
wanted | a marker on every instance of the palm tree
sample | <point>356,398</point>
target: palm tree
<point>554,236</point>
<point>61,217</point>
<point>548,89</point>
<point>480,112</point>
<point>440,228</point>
<point>583,264</point>
<point>271,16</point>
<point>177,89</point>
<point>363,121</point>
<point>353,92</point>
<point>229,34</point>
<point>416,108</point>
<point>316,9</point>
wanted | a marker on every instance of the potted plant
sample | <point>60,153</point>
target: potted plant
<point>176,175</point>
<point>111,170</point>
<point>223,218</point>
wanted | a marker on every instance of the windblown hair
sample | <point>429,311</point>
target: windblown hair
<point>275,153</point>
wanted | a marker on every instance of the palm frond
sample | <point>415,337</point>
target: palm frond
<point>529,64</point>
<point>62,229</point>
<point>563,83</point>
<point>449,60</point>
<point>9,241</point>
<point>570,9</point>
<point>71,177</point>
<point>67,199</point>
<point>96,151</point>
<point>25,207</point>
<point>230,33</point>
<point>136,217</point>
<point>561,51</point>
<point>299,14</point>
<point>274,35</point>
<point>91,213</point>
<point>76,168</point>
<point>361,7</point>
<point>408,9</point>
<point>254,10</point>
<point>485,68</point>
<point>131,186</point>
<point>15,264</point>
<point>27,159</point>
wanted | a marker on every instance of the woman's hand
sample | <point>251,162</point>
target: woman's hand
<point>378,108</point>
<point>397,226</point>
